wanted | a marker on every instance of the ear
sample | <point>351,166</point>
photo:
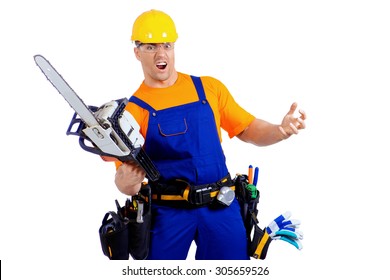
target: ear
<point>137,53</point>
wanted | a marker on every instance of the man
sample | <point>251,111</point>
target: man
<point>180,117</point>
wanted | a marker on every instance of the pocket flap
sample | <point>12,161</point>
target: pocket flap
<point>173,128</point>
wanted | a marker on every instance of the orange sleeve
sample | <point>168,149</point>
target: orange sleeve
<point>232,117</point>
<point>117,164</point>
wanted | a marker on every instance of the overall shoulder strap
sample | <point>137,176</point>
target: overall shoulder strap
<point>199,87</point>
<point>141,103</point>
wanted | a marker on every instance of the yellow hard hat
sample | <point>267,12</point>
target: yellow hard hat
<point>154,27</point>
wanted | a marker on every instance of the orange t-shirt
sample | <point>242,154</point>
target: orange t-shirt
<point>227,113</point>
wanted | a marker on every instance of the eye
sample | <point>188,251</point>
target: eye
<point>168,46</point>
<point>150,47</point>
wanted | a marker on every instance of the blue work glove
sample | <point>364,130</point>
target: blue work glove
<point>286,229</point>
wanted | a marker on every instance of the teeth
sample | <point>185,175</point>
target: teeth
<point>161,63</point>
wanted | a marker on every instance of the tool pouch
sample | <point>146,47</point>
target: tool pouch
<point>114,236</point>
<point>139,227</point>
<point>258,240</point>
<point>247,201</point>
<point>128,229</point>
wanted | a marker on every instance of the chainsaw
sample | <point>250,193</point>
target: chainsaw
<point>109,131</point>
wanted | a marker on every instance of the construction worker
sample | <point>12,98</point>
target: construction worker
<point>181,117</point>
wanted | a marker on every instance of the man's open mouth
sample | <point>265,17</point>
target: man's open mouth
<point>161,65</point>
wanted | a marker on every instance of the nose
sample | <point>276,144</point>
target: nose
<point>160,47</point>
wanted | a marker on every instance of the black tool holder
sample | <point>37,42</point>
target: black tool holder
<point>126,233</point>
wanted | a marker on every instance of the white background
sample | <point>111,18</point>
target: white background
<point>332,57</point>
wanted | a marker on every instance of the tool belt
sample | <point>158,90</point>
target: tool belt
<point>127,232</point>
<point>128,229</point>
<point>180,193</point>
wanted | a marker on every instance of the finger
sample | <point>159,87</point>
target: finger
<point>129,163</point>
<point>295,234</point>
<point>284,133</point>
<point>139,171</point>
<point>133,167</point>
<point>303,114</point>
<point>294,228</point>
<point>301,124</point>
<point>122,167</point>
<point>296,243</point>
<point>129,167</point>
<point>286,215</point>
<point>299,234</point>
<point>293,107</point>
<point>294,128</point>
<point>292,223</point>
<point>287,233</point>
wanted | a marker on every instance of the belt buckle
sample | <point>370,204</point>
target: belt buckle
<point>201,196</point>
<point>225,182</point>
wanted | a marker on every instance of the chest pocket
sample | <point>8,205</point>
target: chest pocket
<point>171,132</point>
<point>173,128</point>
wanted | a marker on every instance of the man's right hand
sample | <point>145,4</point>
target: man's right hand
<point>129,177</point>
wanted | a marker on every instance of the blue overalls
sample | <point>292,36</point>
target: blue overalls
<point>183,143</point>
